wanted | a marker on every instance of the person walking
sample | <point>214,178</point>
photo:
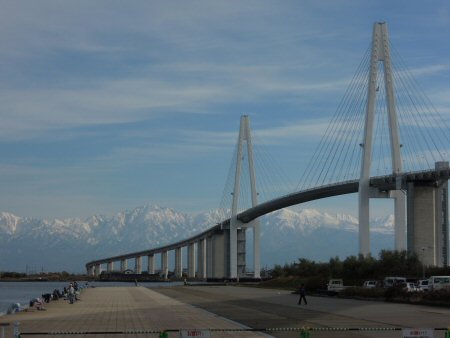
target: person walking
<point>71,292</point>
<point>302,292</point>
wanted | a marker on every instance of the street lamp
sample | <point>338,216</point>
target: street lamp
<point>423,262</point>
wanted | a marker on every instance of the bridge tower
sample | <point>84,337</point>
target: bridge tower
<point>381,53</point>
<point>238,228</point>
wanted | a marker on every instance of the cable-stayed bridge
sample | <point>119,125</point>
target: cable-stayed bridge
<point>385,140</point>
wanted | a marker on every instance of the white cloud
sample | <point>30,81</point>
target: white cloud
<point>130,99</point>
<point>70,68</point>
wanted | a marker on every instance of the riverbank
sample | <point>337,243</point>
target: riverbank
<point>23,292</point>
<point>57,277</point>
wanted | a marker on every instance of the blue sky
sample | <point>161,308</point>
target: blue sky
<point>108,105</point>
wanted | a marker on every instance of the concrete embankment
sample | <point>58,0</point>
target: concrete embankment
<point>110,311</point>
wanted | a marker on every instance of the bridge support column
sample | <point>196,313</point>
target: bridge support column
<point>123,265</point>
<point>400,215</point>
<point>201,256</point>
<point>98,270</point>
<point>191,260</point>
<point>256,249</point>
<point>164,264</point>
<point>90,270</point>
<point>428,220</point>
<point>178,263</point>
<point>236,260</point>
<point>151,264</point>
<point>215,256</point>
<point>380,53</point>
<point>241,252</point>
<point>109,266</point>
<point>138,265</point>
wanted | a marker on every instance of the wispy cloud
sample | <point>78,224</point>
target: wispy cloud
<point>28,111</point>
<point>95,95</point>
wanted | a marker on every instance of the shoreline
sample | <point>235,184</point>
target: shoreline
<point>20,296</point>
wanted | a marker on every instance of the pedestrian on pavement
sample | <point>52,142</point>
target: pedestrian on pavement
<point>71,292</point>
<point>302,292</point>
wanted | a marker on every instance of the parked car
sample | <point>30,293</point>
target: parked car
<point>336,285</point>
<point>389,282</point>
<point>439,282</point>
<point>368,284</point>
<point>423,284</point>
<point>410,287</point>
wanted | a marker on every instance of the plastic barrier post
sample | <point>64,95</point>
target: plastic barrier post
<point>16,330</point>
<point>164,335</point>
<point>3,325</point>
<point>304,334</point>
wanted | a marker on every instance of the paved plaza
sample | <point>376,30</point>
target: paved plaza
<point>143,312</point>
<point>119,309</point>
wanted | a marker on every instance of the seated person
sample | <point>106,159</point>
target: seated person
<point>38,303</point>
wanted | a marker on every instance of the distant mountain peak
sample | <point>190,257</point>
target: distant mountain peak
<point>67,244</point>
<point>9,222</point>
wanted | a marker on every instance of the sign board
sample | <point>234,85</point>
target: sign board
<point>195,333</point>
<point>418,333</point>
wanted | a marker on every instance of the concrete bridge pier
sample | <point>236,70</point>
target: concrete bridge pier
<point>216,248</point>
<point>241,254</point>
<point>427,206</point>
<point>164,264</point>
<point>178,263</point>
<point>110,266</point>
<point>201,259</point>
<point>151,264</point>
<point>98,270</point>
<point>138,265</point>
<point>123,265</point>
<point>191,260</point>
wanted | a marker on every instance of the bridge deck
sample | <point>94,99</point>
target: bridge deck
<point>107,309</point>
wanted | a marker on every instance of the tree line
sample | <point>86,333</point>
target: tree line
<point>354,270</point>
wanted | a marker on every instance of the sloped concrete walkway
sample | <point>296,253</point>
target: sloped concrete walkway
<point>104,310</point>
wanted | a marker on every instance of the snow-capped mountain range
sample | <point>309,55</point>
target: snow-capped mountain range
<point>66,245</point>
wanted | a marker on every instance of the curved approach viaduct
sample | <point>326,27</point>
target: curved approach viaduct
<point>207,251</point>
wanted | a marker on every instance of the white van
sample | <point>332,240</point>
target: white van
<point>389,282</point>
<point>439,282</point>
<point>369,284</point>
<point>336,285</point>
<point>423,284</point>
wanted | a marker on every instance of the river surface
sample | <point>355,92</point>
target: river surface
<point>23,292</point>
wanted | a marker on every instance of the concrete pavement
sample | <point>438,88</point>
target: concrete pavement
<point>268,308</point>
<point>104,310</point>
<point>119,309</point>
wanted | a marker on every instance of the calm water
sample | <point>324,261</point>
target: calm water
<point>23,292</point>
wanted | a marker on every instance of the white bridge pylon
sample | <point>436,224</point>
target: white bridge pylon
<point>235,224</point>
<point>380,53</point>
